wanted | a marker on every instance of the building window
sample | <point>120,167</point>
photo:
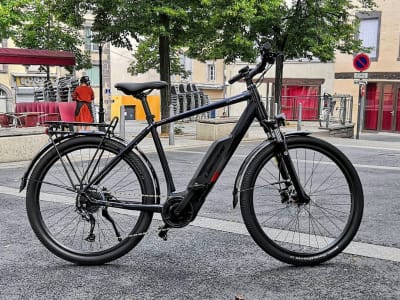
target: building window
<point>211,74</point>
<point>369,32</point>
<point>94,75</point>
<point>89,45</point>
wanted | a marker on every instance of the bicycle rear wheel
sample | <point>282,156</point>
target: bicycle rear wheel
<point>302,234</point>
<point>73,228</point>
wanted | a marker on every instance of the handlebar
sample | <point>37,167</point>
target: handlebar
<point>266,57</point>
<point>242,73</point>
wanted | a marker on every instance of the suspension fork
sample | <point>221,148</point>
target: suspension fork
<point>287,168</point>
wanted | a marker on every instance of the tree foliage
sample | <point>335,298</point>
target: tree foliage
<point>11,15</point>
<point>232,29</point>
<point>227,29</point>
<point>147,57</point>
<point>296,29</point>
<point>224,30</point>
<point>304,28</point>
<point>47,27</point>
<point>146,21</point>
<point>168,24</point>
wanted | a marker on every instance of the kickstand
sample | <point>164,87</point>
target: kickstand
<point>107,216</point>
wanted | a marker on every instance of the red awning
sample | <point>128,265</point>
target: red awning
<point>36,57</point>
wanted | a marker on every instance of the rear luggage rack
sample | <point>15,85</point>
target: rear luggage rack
<point>60,128</point>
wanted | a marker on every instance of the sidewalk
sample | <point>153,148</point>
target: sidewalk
<point>188,138</point>
<point>22,143</point>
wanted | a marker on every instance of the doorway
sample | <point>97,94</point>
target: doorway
<point>382,107</point>
<point>130,112</point>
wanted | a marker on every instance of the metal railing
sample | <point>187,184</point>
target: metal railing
<point>327,109</point>
<point>337,109</point>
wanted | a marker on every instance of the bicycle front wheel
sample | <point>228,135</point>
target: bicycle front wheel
<point>302,234</point>
<point>70,226</point>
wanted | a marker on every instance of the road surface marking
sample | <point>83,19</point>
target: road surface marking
<point>355,248</point>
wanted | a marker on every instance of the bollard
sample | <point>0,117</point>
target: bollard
<point>171,126</point>
<point>299,117</point>
<point>122,121</point>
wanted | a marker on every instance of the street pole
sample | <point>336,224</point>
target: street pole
<point>171,126</point>
<point>122,121</point>
<point>300,116</point>
<point>360,108</point>
<point>101,99</point>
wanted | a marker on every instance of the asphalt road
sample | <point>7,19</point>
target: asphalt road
<point>205,261</point>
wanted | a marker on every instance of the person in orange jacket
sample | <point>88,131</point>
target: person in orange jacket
<point>84,95</point>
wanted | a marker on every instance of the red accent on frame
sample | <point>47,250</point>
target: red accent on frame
<point>215,177</point>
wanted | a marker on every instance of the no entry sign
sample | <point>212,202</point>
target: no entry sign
<point>361,62</point>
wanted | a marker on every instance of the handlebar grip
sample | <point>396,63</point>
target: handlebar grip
<point>235,78</point>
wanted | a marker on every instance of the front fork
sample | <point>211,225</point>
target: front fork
<point>288,170</point>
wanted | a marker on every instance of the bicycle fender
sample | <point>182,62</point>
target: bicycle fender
<point>249,158</point>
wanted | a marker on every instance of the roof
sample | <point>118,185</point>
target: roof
<point>36,57</point>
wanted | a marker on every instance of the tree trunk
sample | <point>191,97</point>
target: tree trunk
<point>278,82</point>
<point>165,74</point>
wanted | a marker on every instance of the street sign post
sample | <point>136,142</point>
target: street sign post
<point>361,63</point>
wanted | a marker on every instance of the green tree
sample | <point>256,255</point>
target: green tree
<point>228,29</point>
<point>169,24</point>
<point>147,57</point>
<point>11,15</point>
<point>225,31</point>
<point>306,28</point>
<point>313,29</point>
<point>46,27</point>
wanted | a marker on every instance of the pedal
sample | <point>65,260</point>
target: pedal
<point>163,233</point>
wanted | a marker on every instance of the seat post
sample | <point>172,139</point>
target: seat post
<point>146,108</point>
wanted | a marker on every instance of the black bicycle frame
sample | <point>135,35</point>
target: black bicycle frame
<point>214,162</point>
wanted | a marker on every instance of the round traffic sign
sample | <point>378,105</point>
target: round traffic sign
<point>361,62</point>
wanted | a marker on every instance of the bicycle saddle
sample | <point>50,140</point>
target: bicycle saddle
<point>130,88</point>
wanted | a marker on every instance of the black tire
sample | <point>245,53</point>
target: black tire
<point>51,201</point>
<point>303,234</point>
